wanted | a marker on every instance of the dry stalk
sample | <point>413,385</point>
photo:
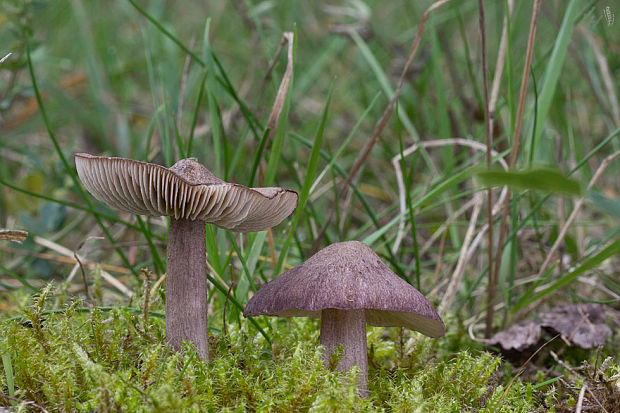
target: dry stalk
<point>522,368</point>
<point>455,280</point>
<point>113,281</point>
<point>582,393</point>
<point>278,104</point>
<point>13,235</point>
<point>276,109</point>
<point>65,260</point>
<point>515,149</point>
<point>489,143</point>
<point>499,64</point>
<point>224,332</point>
<point>5,57</point>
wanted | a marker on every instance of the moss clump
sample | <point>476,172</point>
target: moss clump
<point>77,360</point>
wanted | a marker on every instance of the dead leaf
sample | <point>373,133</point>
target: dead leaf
<point>582,325</point>
<point>519,337</point>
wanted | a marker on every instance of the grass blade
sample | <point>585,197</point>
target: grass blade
<point>544,179</point>
<point>342,147</point>
<point>554,68</point>
<point>588,264</point>
<point>8,373</point>
<point>19,278</point>
<point>201,92</point>
<point>416,253</point>
<point>213,112</point>
<point>310,174</point>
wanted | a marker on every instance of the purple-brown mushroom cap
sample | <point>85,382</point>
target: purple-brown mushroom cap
<point>347,276</point>
<point>187,190</point>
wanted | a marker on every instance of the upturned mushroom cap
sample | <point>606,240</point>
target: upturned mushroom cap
<point>347,276</point>
<point>187,190</point>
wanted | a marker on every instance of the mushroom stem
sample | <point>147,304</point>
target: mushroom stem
<point>186,286</point>
<point>346,328</point>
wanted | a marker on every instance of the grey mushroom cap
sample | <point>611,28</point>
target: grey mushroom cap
<point>187,190</point>
<point>347,276</point>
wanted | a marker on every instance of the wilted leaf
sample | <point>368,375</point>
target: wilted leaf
<point>543,179</point>
<point>519,337</point>
<point>583,325</point>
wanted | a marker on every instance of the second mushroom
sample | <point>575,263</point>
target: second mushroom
<point>347,285</point>
<point>191,195</point>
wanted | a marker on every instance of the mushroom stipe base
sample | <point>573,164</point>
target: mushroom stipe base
<point>346,328</point>
<point>186,286</point>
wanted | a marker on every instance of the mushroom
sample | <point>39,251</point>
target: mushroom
<point>191,195</point>
<point>347,285</point>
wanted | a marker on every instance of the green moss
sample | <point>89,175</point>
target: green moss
<point>110,361</point>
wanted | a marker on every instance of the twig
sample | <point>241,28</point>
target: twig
<point>269,71</point>
<point>224,311</point>
<point>68,253</point>
<point>515,143</point>
<point>66,260</point>
<point>563,364</point>
<point>560,206</point>
<point>272,248</point>
<point>79,263</point>
<point>582,393</point>
<point>13,235</point>
<point>593,283</point>
<point>147,297</point>
<point>522,368</point>
<point>470,332</point>
<point>6,57</point>
<point>157,284</point>
<point>216,275</point>
<point>603,409</point>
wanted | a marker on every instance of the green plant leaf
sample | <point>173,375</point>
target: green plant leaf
<point>543,179</point>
